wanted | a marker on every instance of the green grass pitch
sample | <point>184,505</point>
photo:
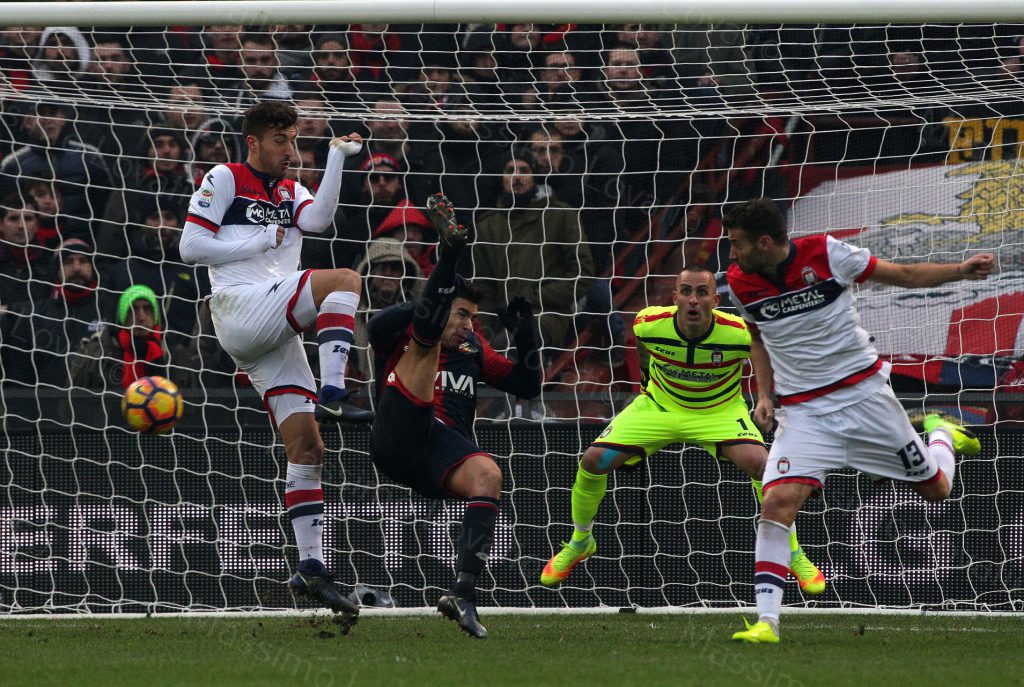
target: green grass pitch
<point>570,650</point>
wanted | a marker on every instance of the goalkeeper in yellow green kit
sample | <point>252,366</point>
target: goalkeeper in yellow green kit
<point>692,359</point>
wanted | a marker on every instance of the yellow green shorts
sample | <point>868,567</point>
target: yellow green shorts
<point>644,428</point>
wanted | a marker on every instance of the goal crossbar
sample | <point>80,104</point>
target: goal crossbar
<point>263,12</point>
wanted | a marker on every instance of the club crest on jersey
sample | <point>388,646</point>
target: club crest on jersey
<point>783,466</point>
<point>717,357</point>
<point>809,275</point>
<point>606,432</point>
<point>284,194</point>
<point>467,347</point>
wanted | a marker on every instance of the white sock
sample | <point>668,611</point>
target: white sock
<point>940,445</point>
<point>304,499</point>
<point>771,567</point>
<point>334,326</point>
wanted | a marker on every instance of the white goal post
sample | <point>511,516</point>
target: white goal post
<point>893,124</point>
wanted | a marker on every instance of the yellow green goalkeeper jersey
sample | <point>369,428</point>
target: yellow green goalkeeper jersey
<point>691,374</point>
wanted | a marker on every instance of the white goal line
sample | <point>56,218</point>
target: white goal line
<point>499,610</point>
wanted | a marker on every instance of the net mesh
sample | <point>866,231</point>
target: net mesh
<point>900,138</point>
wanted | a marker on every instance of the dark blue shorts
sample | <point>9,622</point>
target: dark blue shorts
<point>413,448</point>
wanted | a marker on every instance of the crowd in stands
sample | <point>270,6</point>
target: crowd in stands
<point>93,186</point>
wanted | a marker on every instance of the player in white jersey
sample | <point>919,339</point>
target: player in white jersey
<point>838,410</point>
<point>246,222</point>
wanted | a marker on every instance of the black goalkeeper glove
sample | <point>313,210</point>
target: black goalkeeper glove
<point>517,316</point>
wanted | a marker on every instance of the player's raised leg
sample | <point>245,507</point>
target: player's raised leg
<point>771,559</point>
<point>304,499</point>
<point>945,440</point>
<point>336,295</point>
<point>750,457</point>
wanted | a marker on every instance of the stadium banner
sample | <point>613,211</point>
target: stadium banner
<point>939,213</point>
<point>119,522</point>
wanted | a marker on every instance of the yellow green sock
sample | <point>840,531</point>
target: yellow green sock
<point>587,493</point>
<point>794,545</point>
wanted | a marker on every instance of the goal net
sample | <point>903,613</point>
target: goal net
<point>593,162</point>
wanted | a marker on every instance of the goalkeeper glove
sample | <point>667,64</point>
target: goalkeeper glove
<point>517,315</point>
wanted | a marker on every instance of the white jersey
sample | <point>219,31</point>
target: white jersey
<point>821,356</point>
<point>237,203</point>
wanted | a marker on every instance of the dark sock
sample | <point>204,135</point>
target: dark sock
<point>474,543</point>
<point>435,303</point>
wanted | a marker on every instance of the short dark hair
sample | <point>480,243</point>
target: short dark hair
<point>258,38</point>
<point>696,269</point>
<point>464,288</point>
<point>270,114</point>
<point>15,202</point>
<point>760,217</point>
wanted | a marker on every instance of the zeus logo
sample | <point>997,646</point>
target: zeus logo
<point>462,384</point>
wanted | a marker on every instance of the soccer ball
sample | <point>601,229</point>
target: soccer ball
<point>152,405</point>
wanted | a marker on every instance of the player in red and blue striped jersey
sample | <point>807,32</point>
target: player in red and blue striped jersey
<point>429,360</point>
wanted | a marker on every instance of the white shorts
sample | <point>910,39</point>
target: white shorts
<point>873,436</point>
<point>259,326</point>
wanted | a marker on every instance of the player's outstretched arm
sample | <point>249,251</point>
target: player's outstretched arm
<point>926,274</point>
<point>385,328</point>
<point>527,376</point>
<point>319,214</point>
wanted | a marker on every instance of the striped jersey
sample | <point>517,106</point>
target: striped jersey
<point>236,202</point>
<point>821,356</point>
<point>692,374</point>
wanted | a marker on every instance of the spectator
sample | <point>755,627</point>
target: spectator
<point>41,334</point>
<point>376,54</point>
<point>531,246</point>
<point>471,153</point>
<point>112,66</point>
<point>382,190</point>
<point>23,269</point>
<point>55,152</point>
<point>186,111</point>
<point>516,51</point>
<point>649,42</point>
<point>135,348</point>
<point>221,58</point>
<point>63,56</point>
<point>554,167</point>
<point>16,47</point>
<point>479,69</point>
<point>155,262</point>
<point>54,224</point>
<point>313,123</point>
<point>334,76</point>
<point>294,44</point>
<point>435,89</point>
<point>215,143</point>
<point>411,228</point>
<point>261,75</point>
<point>389,135</point>
<point>157,166</point>
<point>390,275</point>
<point>561,79</point>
